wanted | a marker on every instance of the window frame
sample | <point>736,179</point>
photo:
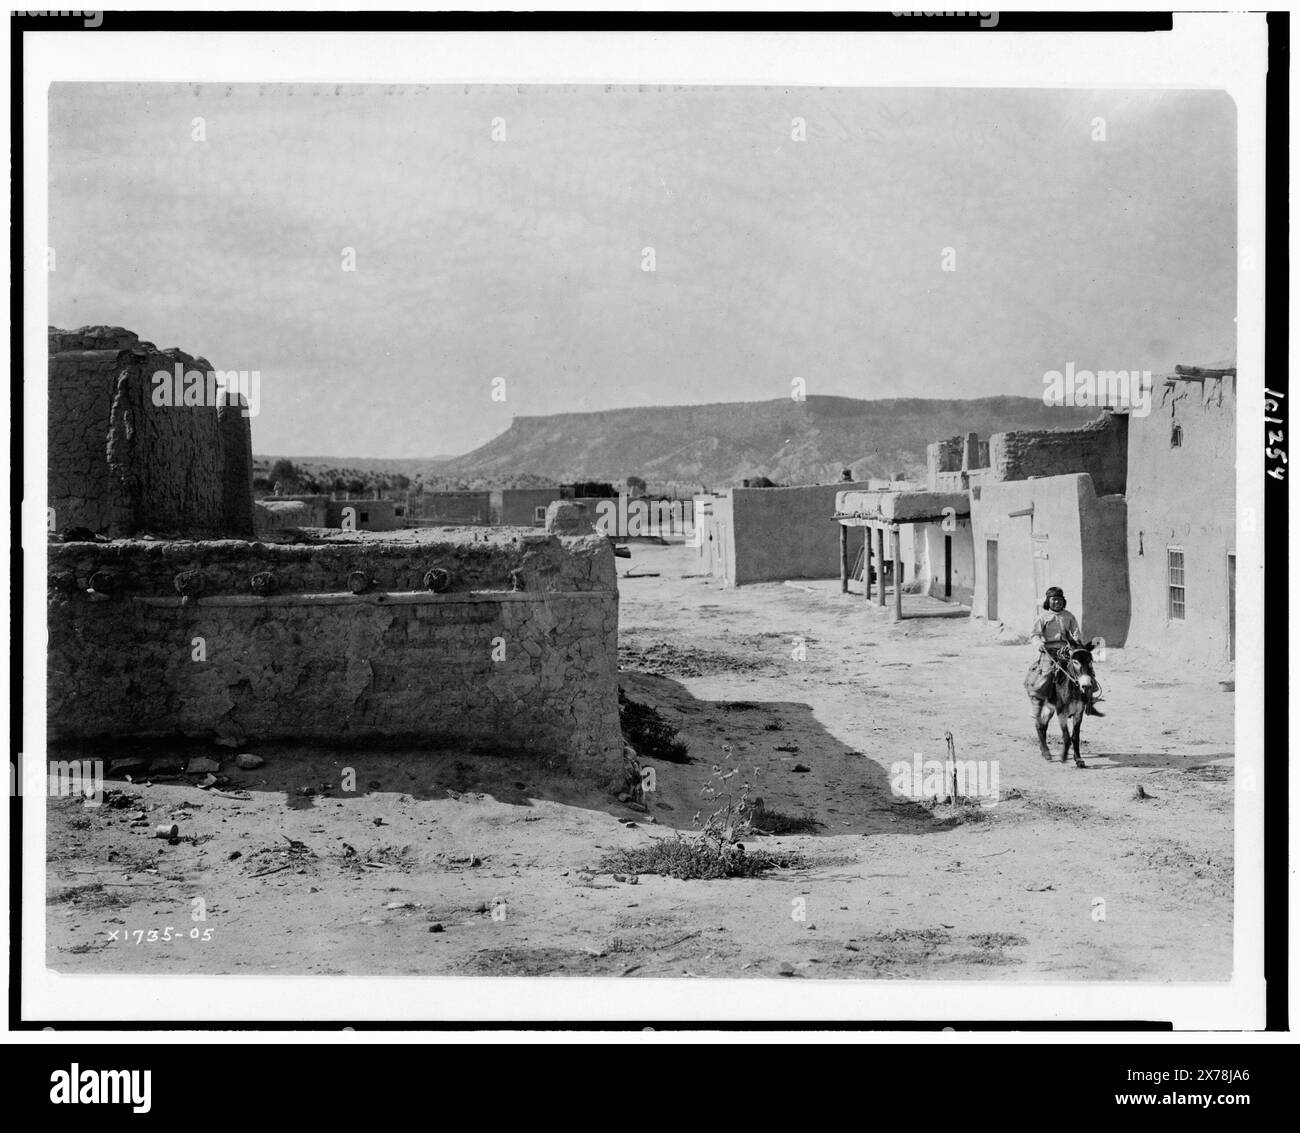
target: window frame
<point>1175,604</point>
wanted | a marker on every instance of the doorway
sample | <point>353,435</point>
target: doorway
<point>947,567</point>
<point>991,584</point>
<point>1232,608</point>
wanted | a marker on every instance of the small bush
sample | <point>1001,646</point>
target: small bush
<point>766,821</point>
<point>697,859</point>
<point>649,733</point>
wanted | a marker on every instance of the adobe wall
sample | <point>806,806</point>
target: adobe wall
<point>780,533</point>
<point>1184,497</point>
<point>455,508</point>
<point>1068,511</point>
<point>518,653</point>
<point>278,514</point>
<point>1099,448</point>
<point>517,507</point>
<point>370,515</point>
<point>316,507</point>
<point>119,464</point>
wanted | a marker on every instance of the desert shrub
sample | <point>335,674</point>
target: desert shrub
<point>766,821</point>
<point>697,858</point>
<point>649,733</point>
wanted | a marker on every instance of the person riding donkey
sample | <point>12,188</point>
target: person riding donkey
<point>1056,633</point>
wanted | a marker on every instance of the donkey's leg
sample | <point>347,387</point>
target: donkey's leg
<point>1040,726</point>
<point>1063,719</point>
<point>1078,723</point>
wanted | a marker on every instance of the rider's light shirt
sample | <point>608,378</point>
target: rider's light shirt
<point>1056,627</point>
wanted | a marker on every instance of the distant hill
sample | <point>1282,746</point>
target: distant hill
<point>719,445</point>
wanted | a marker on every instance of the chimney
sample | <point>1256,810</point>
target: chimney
<point>970,454</point>
<point>847,474</point>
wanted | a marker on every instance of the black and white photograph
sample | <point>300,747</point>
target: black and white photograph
<point>785,537</point>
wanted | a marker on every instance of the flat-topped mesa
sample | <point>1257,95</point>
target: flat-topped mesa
<point>500,641</point>
<point>124,460</point>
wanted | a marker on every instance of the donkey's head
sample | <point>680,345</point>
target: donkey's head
<point>1080,666</point>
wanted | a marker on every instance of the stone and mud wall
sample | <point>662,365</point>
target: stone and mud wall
<point>503,641</point>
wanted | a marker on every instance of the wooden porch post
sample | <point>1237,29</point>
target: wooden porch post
<point>844,559</point>
<point>866,563</point>
<point>880,565</point>
<point>898,574</point>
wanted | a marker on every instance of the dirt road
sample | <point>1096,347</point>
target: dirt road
<point>444,865</point>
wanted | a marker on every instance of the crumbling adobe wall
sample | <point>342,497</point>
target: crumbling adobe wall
<point>1099,448</point>
<point>119,464</point>
<point>515,651</point>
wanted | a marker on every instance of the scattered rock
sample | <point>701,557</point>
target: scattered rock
<point>852,947</point>
<point>638,807</point>
<point>475,861</point>
<point>624,797</point>
<point>247,761</point>
<point>201,765</point>
<point>1141,795</point>
<point>235,854</point>
<point>131,763</point>
<point>166,764</point>
<point>799,767</point>
<point>785,969</point>
<point>436,928</point>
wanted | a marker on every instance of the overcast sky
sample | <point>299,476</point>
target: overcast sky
<point>522,258</point>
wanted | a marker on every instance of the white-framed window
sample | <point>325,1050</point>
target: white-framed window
<point>1177,585</point>
<point>539,514</point>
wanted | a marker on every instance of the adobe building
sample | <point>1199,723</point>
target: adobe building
<point>1182,518</point>
<point>121,463</point>
<point>502,507</point>
<point>363,515</point>
<point>523,507</point>
<point>450,508</point>
<point>746,535</point>
<point>1050,510</point>
<point>1001,520</point>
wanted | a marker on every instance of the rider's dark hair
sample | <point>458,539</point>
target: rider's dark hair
<point>1047,599</point>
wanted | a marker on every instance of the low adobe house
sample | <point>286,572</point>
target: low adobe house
<point>1050,511</point>
<point>746,535</point>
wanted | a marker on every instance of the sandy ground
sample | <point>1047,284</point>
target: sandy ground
<point>443,864</point>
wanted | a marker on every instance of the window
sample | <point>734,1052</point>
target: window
<point>539,515</point>
<point>1177,590</point>
<point>365,517</point>
<point>1176,437</point>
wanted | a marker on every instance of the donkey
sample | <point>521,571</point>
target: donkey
<point>1070,695</point>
